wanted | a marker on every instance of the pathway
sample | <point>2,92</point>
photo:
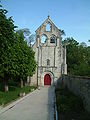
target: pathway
<point>38,105</point>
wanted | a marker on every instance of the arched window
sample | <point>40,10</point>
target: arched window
<point>53,39</point>
<point>48,62</point>
<point>43,38</point>
<point>48,27</point>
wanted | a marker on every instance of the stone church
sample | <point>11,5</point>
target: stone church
<point>50,55</point>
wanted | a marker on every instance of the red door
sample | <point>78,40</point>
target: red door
<point>47,79</point>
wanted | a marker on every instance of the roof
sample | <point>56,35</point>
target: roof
<point>48,20</point>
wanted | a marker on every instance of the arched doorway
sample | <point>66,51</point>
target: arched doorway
<point>47,79</point>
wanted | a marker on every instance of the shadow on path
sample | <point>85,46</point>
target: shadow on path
<point>51,102</point>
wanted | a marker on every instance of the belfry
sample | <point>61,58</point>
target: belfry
<point>50,55</point>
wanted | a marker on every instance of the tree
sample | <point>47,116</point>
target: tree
<point>6,43</point>
<point>27,35</point>
<point>25,58</point>
<point>78,57</point>
<point>83,44</point>
<point>16,57</point>
<point>72,49</point>
<point>62,32</point>
<point>31,39</point>
<point>88,40</point>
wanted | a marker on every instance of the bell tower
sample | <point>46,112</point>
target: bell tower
<point>49,54</point>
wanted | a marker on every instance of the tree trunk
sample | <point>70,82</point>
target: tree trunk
<point>29,80</point>
<point>21,82</point>
<point>24,82</point>
<point>5,83</point>
<point>6,87</point>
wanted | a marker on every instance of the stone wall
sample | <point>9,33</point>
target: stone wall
<point>79,86</point>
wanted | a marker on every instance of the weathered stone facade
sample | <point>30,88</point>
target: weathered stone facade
<point>49,53</point>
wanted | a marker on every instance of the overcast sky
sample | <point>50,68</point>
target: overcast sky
<point>73,16</point>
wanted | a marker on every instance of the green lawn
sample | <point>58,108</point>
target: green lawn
<point>14,93</point>
<point>70,107</point>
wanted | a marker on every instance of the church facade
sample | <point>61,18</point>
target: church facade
<point>50,55</point>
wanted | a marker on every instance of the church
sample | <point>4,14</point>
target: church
<point>50,55</point>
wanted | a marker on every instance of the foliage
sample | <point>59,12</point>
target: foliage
<point>30,38</point>
<point>78,57</point>
<point>16,57</point>
<point>62,32</point>
<point>6,43</point>
<point>25,57</point>
<point>70,106</point>
<point>88,40</point>
<point>67,101</point>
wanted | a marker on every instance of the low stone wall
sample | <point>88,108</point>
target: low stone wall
<point>79,86</point>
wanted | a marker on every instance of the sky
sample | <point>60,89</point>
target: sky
<point>72,16</point>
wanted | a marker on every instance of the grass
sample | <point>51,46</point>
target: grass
<point>70,107</point>
<point>13,94</point>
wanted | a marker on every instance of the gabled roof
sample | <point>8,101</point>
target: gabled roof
<point>48,20</point>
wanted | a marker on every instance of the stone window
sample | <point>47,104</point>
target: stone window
<point>53,39</point>
<point>48,62</point>
<point>48,27</point>
<point>43,38</point>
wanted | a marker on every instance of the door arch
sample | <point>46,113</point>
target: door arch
<point>47,79</point>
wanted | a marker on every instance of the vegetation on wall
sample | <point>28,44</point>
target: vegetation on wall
<point>78,57</point>
<point>70,106</point>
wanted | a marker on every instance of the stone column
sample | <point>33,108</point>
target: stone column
<point>65,65</point>
<point>58,42</point>
<point>38,42</point>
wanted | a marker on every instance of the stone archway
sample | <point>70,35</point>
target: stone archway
<point>47,73</point>
<point>47,79</point>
